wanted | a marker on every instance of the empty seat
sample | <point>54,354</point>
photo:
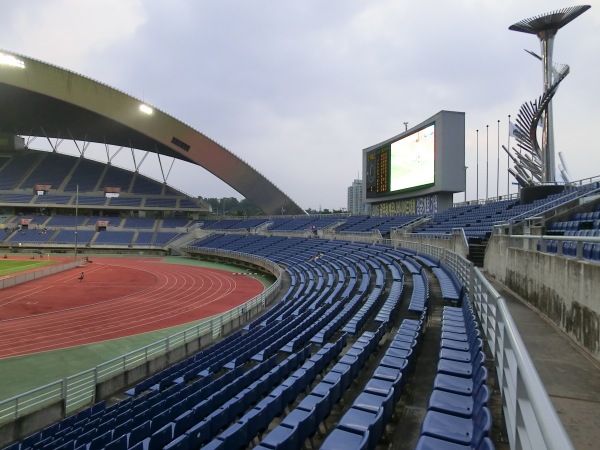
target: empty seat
<point>456,429</point>
<point>340,439</point>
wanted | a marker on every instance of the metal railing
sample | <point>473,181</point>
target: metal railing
<point>530,418</point>
<point>79,390</point>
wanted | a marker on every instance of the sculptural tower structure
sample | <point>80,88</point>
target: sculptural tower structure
<point>545,27</point>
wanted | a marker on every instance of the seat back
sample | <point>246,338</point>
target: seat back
<point>482,425</point>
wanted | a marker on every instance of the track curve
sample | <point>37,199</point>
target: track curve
<point>118,297</point>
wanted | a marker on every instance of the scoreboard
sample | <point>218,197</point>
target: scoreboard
<point>378,171</point>
<point>424,160</point>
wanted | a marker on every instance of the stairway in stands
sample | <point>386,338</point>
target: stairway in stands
<point>477,252</point>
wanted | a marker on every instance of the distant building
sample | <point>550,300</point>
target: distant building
<point>356,205</point>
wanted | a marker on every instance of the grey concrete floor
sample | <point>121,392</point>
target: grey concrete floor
<point>571,376</point>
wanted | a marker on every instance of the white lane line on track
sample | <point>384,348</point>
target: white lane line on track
<point>137,317</point>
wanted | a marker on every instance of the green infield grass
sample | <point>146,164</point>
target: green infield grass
<point>10,266</point>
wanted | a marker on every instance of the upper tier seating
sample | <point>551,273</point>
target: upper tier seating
<point>51,170</point>
<point>85,177</point>
<point>15,169</point>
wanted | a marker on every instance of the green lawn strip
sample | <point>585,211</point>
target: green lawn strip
<point>8,267</point>
<point>23,373</point>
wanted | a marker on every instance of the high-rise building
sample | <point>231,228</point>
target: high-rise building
<point>356,204</point>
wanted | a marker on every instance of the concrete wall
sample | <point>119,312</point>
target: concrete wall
<point>455,244</point>
<point>566,290</point>
<point>30,423</point>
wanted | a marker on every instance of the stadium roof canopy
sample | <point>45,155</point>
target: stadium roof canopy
<point>39,99</point>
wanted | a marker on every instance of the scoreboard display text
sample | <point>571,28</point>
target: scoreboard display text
<point>378,168</point>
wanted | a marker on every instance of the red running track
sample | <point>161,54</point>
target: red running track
<point>118,297</point>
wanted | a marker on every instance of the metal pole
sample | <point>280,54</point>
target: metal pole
<point>466,184</point>
<point>498,164</point>
<point>487,160</point>
<point>477,187</point>
<point>508,161</point>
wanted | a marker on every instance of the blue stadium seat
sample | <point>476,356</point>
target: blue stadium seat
<point>340,439</point>
<point>457,404</point>
<point>282,437</point>
<point>179,443</point>
<point>461,385</point>
<point>431,443</point>
<point>364,422</point>
<point>456,429</point>
<point>119,443</point>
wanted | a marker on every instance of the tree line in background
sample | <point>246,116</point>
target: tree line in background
<point>231,206</point>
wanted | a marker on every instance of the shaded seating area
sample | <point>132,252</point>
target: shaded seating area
<point>125,201</point>
<point>67,237</point>
<point>116,177</point>
<point>139,222</point>
<point>85,176</point>
<point>15,169</point>
<point>16,198</point>
<point>92,200</point>
<point>160,202</point>
<point>65,221</point>
<point>175,222</point>
<point>51,169</point>
<point>146,186</point>
<point>114,238</point>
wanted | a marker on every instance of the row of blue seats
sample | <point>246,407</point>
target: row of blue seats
<point>573,225</point>
<point>363,425</point>
<point>419,298</point>
<point>135,419</point>
<point>302,422</point>
<point>391,302</point>
<point>239,433</point>
<point>356,323</point>
<point>452,288</point>
<point>589,250</point>
<point>216,408</point>
<point>458,416</point>
<point>331,327</point>
<point>588,216</point>
<point>427,260</point>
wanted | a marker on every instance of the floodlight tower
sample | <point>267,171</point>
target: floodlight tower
<point>545,27</point>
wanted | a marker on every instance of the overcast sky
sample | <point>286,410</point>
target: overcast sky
<point>298,88</point>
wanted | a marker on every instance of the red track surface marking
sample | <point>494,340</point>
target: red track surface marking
<point>117,298</point>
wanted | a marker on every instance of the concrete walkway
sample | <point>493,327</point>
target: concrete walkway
<point>571,377</point>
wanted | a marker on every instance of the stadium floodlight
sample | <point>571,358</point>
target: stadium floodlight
<point>146,109</point>
<point>11,61</point>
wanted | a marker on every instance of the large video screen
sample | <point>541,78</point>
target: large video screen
<point>408,163</point>
<point>412,160</point>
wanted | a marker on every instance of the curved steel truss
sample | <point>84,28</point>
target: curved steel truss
<point>527,157</point>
